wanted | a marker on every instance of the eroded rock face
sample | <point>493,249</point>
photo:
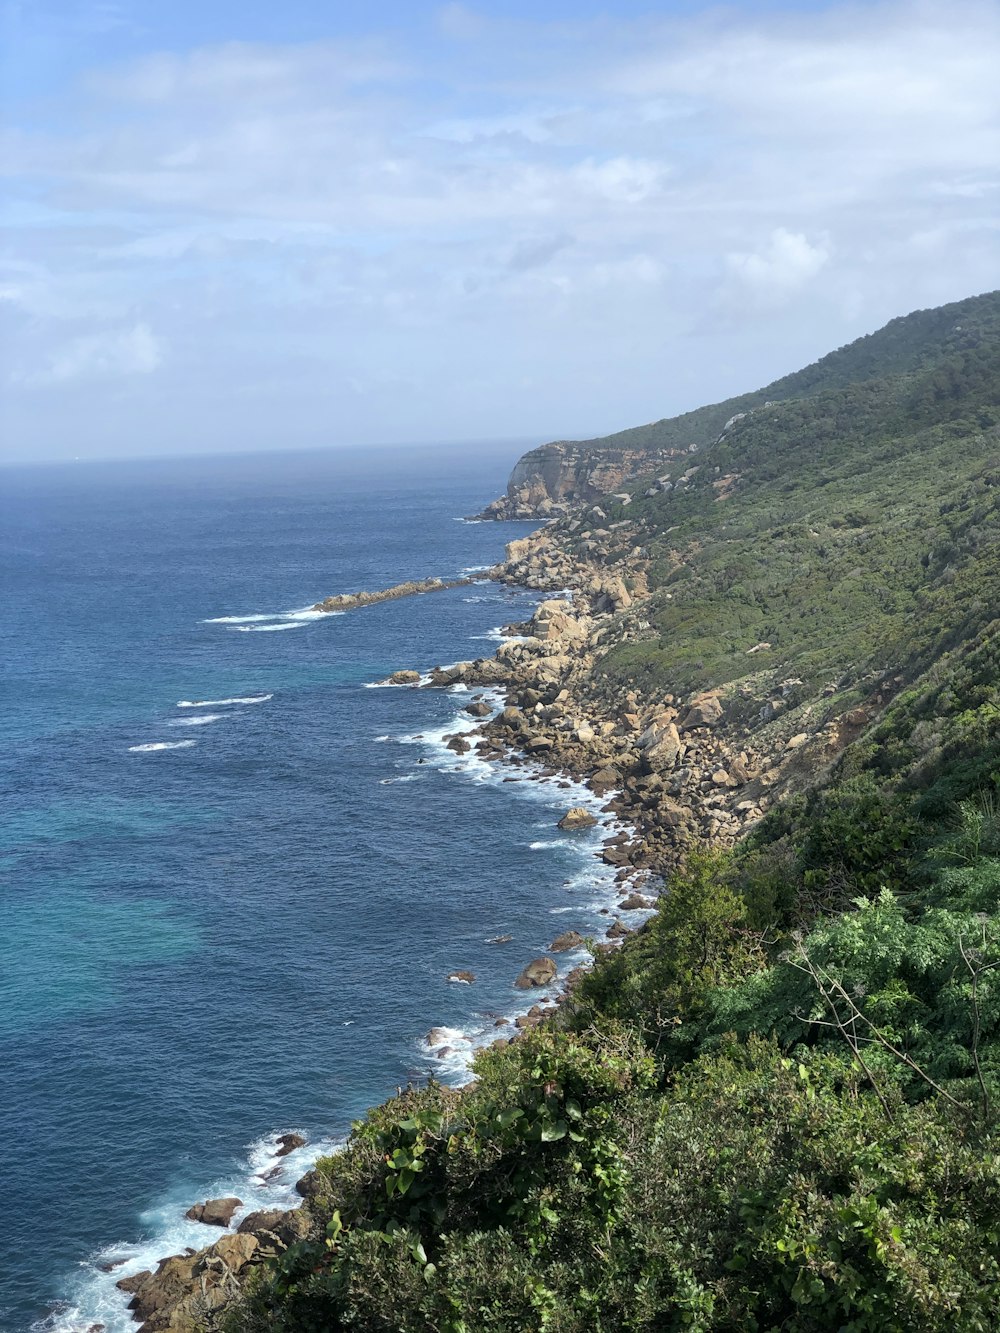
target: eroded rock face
<point>551,480</point>
<point>538,973</point>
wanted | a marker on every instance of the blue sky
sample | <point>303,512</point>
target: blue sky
<point>231,226</point>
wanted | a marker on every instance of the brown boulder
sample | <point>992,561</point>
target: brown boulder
<point>463,976</point>
<point>288,1143</point>
<point>264,1219</point>
<point>635,902</point>
<point>538,973</point>
<point>569,939</point>
<point>214,1212</point>
<point>404,678</point>
<point>577,817</point>
<point>478,708</point>
<point>702,713</point>
<point>458,744</point>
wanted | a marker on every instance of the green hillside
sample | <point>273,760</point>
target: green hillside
<point>776,1106</point>
<point>921,341</point>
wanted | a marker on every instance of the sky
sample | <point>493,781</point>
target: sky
<point>237,224</point>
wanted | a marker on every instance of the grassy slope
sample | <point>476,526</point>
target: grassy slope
<point>776,1107</point>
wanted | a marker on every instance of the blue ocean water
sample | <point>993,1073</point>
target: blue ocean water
<point>234,876</point>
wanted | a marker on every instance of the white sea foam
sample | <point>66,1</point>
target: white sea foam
<point>160,745</point>
<point>268,620</point>
<point>235,620</point>
<point>263,629</point>
<point>406,777</point>
<point>218,703</point>
<point>545,846</point>
<point>199,720</point>
<point>96,1299</point>
<point>476,569</point>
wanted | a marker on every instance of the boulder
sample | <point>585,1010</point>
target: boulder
<point>604,779</point>
<point>703,712</point>
<point>288,1143</point>
<point>263,1220</point>
<point>797,742</point>
<point>635,902</point>
<point>577,817</point>
<point>214,1212</point>
<point>569,939</point>
<point>478,708</point>
<point>466,978</point>
<point>539,972</point>
<point>234,1250</point>
<point>404,678</point>
<point>661,745</point>
<point>458,744</point>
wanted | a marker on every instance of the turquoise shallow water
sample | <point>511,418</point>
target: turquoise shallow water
<point>249,931</point>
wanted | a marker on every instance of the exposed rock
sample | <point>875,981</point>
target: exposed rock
<point>569,939</point>
<point>214,1212</point>
<point>538,973</point>
<point>703,712</point>
<point>577,817</point>
<point>465,977</point>
<point>458,744</point>
<point>288,1143</point>
<point>263,1220</point>
<point>635,902</point>
<point>797,742</point>
<point>478,708</point>
<point>350,601</point>
<point>404,678</point>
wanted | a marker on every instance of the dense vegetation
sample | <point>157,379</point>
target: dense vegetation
<point>776,1106</point>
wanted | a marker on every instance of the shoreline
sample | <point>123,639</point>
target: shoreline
<point>189,1278</point>
<point>552,726</point>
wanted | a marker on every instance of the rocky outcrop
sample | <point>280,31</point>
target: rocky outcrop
<point>577,817</point>
<point>351,601</point>
<point>214,1212</point>
<point>538,973</point>
<point>553,479</point>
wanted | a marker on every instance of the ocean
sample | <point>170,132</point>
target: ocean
<point>236,872</point>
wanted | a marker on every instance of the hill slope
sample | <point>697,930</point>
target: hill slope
<point>932,345</point>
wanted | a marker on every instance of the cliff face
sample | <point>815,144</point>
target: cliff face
<point>551,480</point>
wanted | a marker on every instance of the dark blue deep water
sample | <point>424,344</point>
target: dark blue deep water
<point>250,931</point>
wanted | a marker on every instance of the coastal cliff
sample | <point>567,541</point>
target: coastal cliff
<point>773,1105</point>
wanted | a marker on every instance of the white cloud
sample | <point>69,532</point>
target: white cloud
<point>569,206</point>
<point>111,354</point>
<point>787,262</point>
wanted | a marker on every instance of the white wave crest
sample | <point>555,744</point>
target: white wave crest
<point>160,745</point>
<point>235,620</point>
<point>263,629</point>
<point>218,703</point>
<point>201,720</point>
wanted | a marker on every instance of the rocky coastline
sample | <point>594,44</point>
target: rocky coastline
<point>675,771</point>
